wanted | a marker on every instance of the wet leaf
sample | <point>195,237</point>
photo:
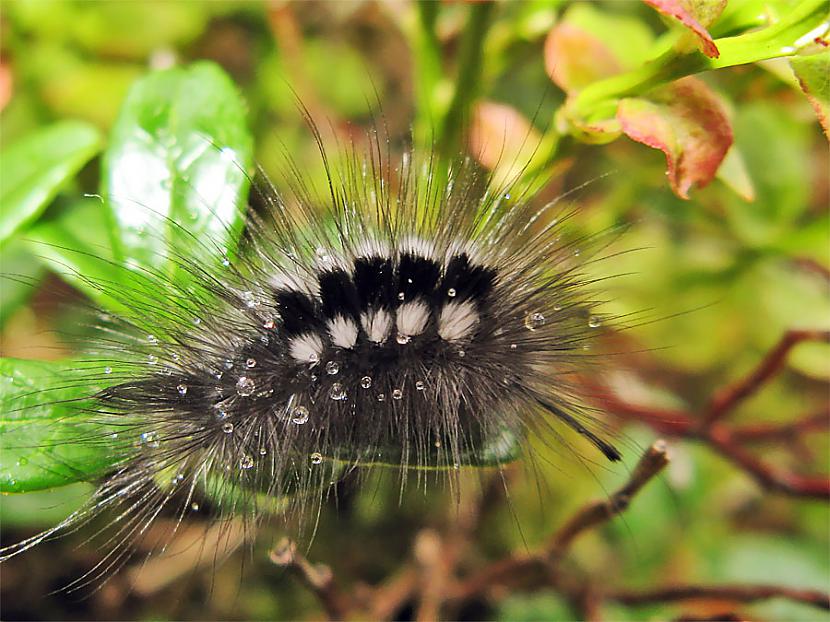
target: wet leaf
<point>175,172</point>
<point>813,73</point>
<point>41,424</point>
<point>687,122</point>
<point>35,168</point>
<point>695,16</point>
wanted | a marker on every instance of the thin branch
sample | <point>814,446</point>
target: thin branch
<point>318,578</point>
<point>730,396</point>
<point>735,593</point>
<point>775,432</point>
<point>514,567</point>
<point>651,463</point>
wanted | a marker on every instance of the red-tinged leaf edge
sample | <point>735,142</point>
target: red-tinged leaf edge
<point>686,121</point>
<point>813,74</point>
<point>681,11</point>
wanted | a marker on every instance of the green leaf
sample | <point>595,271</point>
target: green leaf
<point>21,273</point>
<point>813,73</point>
<point>45,440</point>
<point>36,167</point>
<point>175,172</point>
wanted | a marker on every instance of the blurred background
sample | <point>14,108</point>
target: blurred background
<point>721,276</point>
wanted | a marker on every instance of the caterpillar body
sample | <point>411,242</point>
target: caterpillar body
<point>393,319</point>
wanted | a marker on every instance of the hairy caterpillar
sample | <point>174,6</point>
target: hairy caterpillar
<point>401,316</point>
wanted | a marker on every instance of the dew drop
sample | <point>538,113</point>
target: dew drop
<point>420,386</point>
<point>534,321</point>
<point>313,358</point>
<point>245,386</point>
<point>316,457</point>
<point>263,451</point>
<point>451,292</point>
<point>220,413</point>
<point>381,397</point>
<point>226,262</point>
<point>194,506</point>
<point>337,392</point>
<point>403,339</point>
<point>513,346</point>
<point>246,462</point>
<point>227,428</point>
<point>182,389</point>
<point>594,321</point>
<point>299,415</point>
<point>332,368</point>
<point>152,339</point>
<point>401,296</point>
<point>152,359</point>
<point>108,370</point>
<point>228,364</point>
<point>197,321</point>
<point>250,363</point>
<point>366,382</point>
<point>576,252</point>
<point>151,439</point>
<point>437,443</point>
<point>462,354</point>
<point>397,394</point>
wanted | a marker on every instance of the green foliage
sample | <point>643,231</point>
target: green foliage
<point>728,261</point>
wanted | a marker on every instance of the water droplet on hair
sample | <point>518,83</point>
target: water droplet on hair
<point>557,307</point>
<point>401,296</point>
<point>337,392</point>
<point>263,451</point>
<point>220,413</point>
<point>226,262</point>
<point>227,428</point>
<point>461,353</point>
<point>194,506</point>
<point>107,370</point>
<point>152,359</point>
<point>513,346</point>
<point>316,457</point>
<point>228,364</point>
<point>269,324</point>
<point>594,321</point>
<point>245,386</point>
<point>313,358</point>
<point>437,443</point>
<point>366,382</point>
<point>250,363</point>
<point>152,339</point>
<point>332,368</point>
<point>151,439</point>
<point>507,196</point>
<point>197,321</point>
<point>381,397</point>
<point>182,389</point>
<point>249,299</point>
<point>576,252</point>
<point>420,386</point>
<point>397,394</point>
<point>451,292</point>
<point>246,462</point>
<point>299,415</point>
<point>403,339</point>
<point>534,321</point>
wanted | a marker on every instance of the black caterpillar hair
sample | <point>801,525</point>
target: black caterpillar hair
<point>395,319</point>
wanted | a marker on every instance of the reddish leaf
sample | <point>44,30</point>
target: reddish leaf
<point>687,122</point>
<point>502,139</point>
<point>813,73</point>
<point>575,58</point>
<point>695,15</point>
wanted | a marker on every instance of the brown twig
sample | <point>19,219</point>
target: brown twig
<point>773,432</point>
<point>725,400</point>
<point>318,578</point>
<point>734,593</point>
<point>651,463</point>
<point>710,429</point>
<point>514,567</point>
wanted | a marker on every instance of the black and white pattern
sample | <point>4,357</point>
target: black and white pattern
<point>390,320</point>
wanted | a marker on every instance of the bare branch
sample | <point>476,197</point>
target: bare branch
<point>730,396</point>
<point>734,593</point>
<point>318,578</point>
